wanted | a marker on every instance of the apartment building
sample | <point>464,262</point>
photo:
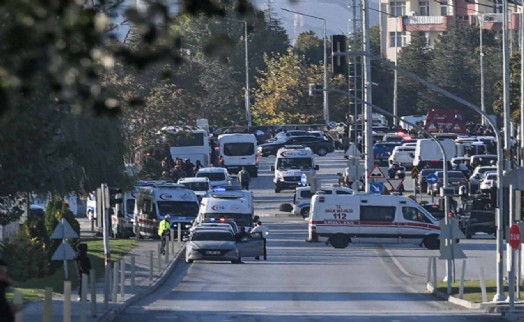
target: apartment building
<point>400,18</point>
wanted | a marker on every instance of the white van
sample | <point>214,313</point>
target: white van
<point>427,152</point>
<point>200,185</point>
<point>227,206</point>
<point>302,197</point>
<point>122,217</point>
<point>291,163</point>
<point>402,155</point>
<point>239,150</point>
<point>155,202</point>
<point>217,176</point>
<point>367,218</point>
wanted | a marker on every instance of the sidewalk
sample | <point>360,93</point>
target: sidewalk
<point>143,286</point>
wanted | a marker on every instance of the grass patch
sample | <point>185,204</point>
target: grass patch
<point>472,291</point>
<point>33,289</point>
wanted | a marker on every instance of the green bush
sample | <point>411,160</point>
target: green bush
<point>27,258</point>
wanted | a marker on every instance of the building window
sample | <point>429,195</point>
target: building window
<point>397,8</point>
<point>423,8</point>
<point>444,10</point>
<point>400,39</point>
<point>497,6</point>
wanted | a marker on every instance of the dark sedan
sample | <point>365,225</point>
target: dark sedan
<point>319,146</point>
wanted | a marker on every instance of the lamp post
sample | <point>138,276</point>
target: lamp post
<point>247,102</point>
<point>481,59</point>
<point>326,103</point>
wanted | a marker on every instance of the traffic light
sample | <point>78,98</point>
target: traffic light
<point>339,54</point>
<point>115,196</point>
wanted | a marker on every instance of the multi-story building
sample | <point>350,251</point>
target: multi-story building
<point>400,18</point>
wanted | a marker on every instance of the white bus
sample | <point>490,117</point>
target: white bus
<point>187,143</point>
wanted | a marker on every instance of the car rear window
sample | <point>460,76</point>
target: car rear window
<point>212,235</point>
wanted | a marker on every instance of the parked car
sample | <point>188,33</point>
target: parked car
<point>319,146</point>
<point>403,155</point>
<point>455,180</point>
<point>479,221</point>
<point>382,151</point>
<point>476,177</point>
<point>488,181</point>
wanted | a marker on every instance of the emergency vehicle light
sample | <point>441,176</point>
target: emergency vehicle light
<point>219,189</point>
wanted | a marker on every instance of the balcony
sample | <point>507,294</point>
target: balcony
<point>428,23</point>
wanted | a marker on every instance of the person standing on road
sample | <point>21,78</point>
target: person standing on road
<point>163,231</point>
<point>83,266</point>
<point>244,178</point>
<point>259,228</point>
<point>7,309</point>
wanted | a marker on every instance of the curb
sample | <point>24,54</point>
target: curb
<point>455,300</point>
<point>111,314</point>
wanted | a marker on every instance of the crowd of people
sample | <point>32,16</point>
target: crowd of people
<point>181,169</point>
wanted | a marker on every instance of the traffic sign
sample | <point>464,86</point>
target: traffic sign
<point>376,173</point>
<point>395,183</point>
<point>431,179</point>
<point>63,230</point>
<point>514,237</point>
<point>414,173</point>
<point>376,188</point>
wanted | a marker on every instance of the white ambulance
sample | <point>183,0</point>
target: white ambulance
<point>239,150</point>
<point>227,206</point>
<point>302,197</point>
<point>291,163</point>
<point>368,218</point>
<point>123,212</point>
<point>161,199</point>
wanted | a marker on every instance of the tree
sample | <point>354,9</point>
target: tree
<point>514,91</point>
<point>310,47</point>
<point>283,94</point>
<point>459,77</point>
<point>414,58</point>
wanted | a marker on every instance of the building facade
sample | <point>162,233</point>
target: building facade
<point>400,18</point>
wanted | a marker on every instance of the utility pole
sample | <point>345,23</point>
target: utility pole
<point>368,112</point>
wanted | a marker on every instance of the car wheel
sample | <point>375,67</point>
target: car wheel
<point>321,152</point>
<point>304,212</point>
<point>431,242</point>
<point>339,240</point>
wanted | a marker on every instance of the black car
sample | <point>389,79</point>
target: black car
<point>319,146</point>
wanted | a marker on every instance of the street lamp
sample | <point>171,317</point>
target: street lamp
<point>247,102</point>
<point>326,104</point>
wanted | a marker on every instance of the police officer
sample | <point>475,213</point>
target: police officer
<point>259,228</point>
<point>163,231</point>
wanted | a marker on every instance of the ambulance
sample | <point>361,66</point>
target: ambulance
<point>227,206</point>
<point>369,218</point>
<point>291,163</point>
<point>122,218</point>
<point>302,197</point>
<point>154,202</point>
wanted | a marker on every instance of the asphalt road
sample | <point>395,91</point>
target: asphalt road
<point>306,281</point>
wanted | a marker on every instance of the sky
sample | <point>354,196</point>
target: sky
<point>336,13</point>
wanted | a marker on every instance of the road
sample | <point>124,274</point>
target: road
<point>304,281</point>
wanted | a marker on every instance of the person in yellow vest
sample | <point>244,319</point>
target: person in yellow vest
<point>163,231</point>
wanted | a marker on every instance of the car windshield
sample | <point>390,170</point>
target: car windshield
<point>212,236</point>
<point>212,176</point>
<point>197,186</point>
<point>178,208</point>
<point>294,163</point>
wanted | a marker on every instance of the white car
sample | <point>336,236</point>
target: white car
<point>403,155</point>
<point>217,176</point>
<point>489,180</point>
<point>200,185</point>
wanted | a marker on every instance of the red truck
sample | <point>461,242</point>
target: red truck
<point>445,121</point>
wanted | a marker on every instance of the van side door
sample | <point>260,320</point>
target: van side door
<point>251,246</point>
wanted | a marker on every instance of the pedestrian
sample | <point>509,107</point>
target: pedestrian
<point>164,228</point>
<point>189,168</point>
<point>7,309</point>
<point>244,178</point>
<point>198,166</point>
<point>83,266</point>
<point>259,228</point>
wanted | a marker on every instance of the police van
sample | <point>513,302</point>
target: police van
<point>291,163</point>
<point>368,218</point>
<point>153,203</point>
<point>302,197</point>
<point>239,150</point>
<point>227,206</point>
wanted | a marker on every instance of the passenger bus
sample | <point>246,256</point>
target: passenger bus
<point>187,143</point>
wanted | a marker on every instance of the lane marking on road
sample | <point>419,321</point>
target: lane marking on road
<point>399,266</point>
